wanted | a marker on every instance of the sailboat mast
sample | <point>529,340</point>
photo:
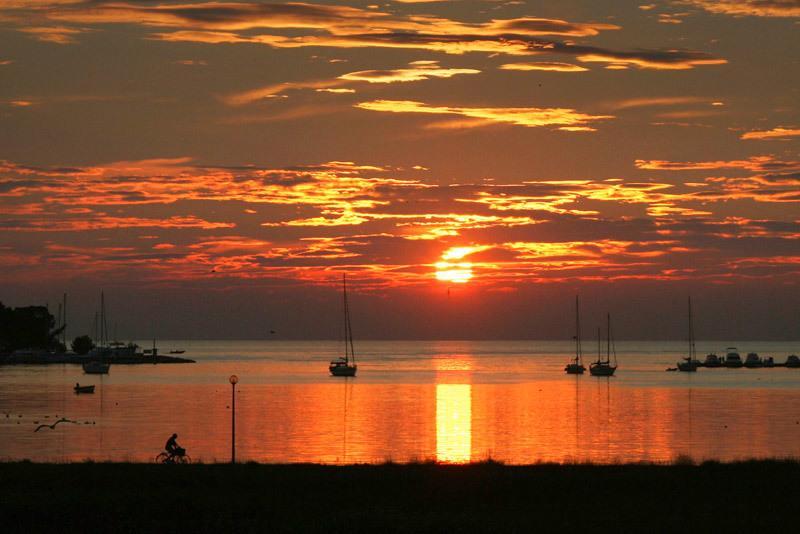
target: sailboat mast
<point>350,335</point>
<point>64,331</point>
<point>599,339</point>
<point>692,351</point>
<point>344,307</point>
<point>102,320</point>
<point>349,352</point>
<point>608,340</point>
<point>578,351</point>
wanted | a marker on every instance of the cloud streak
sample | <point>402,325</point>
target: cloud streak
<point>755,8</point>
<point>528,117</point>
<point>779,133</point>
<point>550,66</point>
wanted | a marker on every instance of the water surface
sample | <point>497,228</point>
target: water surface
<point>453,401</point>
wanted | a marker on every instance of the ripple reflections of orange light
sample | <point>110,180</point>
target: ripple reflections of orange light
<point>453,423</point>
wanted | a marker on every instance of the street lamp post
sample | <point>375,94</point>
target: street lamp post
<point>233,380</point>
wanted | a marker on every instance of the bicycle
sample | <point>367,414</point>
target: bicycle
<point>166,458</point>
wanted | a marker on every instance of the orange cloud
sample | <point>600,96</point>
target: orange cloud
<point>779,133</point>
<point>50,224</point>
<point>544,65</point>
<point>669,60</point>
<point>754,163</point>
<point>756,8</point>
<point>54,34</point>
<point>528,117</point>
<point>420,70</point>
<point>275,90</point>
<point>658,101</point>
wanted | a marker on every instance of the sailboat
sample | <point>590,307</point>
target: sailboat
<point>98,366</point>
<point>690,363</point>
<point>345,366</point>
<point>605,367</point>
<point>575,367</point>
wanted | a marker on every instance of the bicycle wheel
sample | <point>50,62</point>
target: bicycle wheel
<point>162,458</point>
<point>185,459</point>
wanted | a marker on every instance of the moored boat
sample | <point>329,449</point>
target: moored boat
<point>605,367</point>
<point>793,361</point>
<point>575,366</point>
<point>83,389</point>
<point>752,360</point>
<point>345,366</point>
<point>712,360</point>
<point>732,358</point>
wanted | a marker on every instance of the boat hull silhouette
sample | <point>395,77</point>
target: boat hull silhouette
<point>602,369</point>
<point>575,369</point>
<point>96,368</point>
<point>342,368</point>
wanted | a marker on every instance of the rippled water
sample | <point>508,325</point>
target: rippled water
<point>446,401</point>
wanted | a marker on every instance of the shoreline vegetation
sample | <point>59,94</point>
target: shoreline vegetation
<point>487,496</point>
<point>32,335</point>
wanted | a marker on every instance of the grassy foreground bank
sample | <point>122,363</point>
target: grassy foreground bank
<point>88,497</point>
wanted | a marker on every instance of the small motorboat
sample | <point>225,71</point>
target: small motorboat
<point>83,389</point>
<point>768,361</point>
<point>712,360</point>
<point>793,361</point>
<point>752,361</point>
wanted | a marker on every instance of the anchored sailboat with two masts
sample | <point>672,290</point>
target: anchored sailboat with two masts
<point>345,366</point>
<point>605,367</point>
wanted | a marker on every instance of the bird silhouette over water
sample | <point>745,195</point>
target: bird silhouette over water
<point>53,426</point>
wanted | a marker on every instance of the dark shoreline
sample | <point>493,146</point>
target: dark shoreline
<point>49,359</point>
<point>752,495</point>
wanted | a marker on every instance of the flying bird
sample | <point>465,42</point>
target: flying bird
<point>53,426</point>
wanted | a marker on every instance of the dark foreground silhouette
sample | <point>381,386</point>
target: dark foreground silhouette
<point>748,496</point>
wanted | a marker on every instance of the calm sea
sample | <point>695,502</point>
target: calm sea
<point>450,401</point>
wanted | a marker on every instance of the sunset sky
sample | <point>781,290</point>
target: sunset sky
<point>216,166</point>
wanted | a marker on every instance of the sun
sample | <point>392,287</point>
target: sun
<point>459,272</point>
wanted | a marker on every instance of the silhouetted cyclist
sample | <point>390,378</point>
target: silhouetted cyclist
<point>172,447</point>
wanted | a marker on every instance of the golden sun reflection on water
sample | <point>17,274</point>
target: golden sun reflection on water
<point>453,423</point>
